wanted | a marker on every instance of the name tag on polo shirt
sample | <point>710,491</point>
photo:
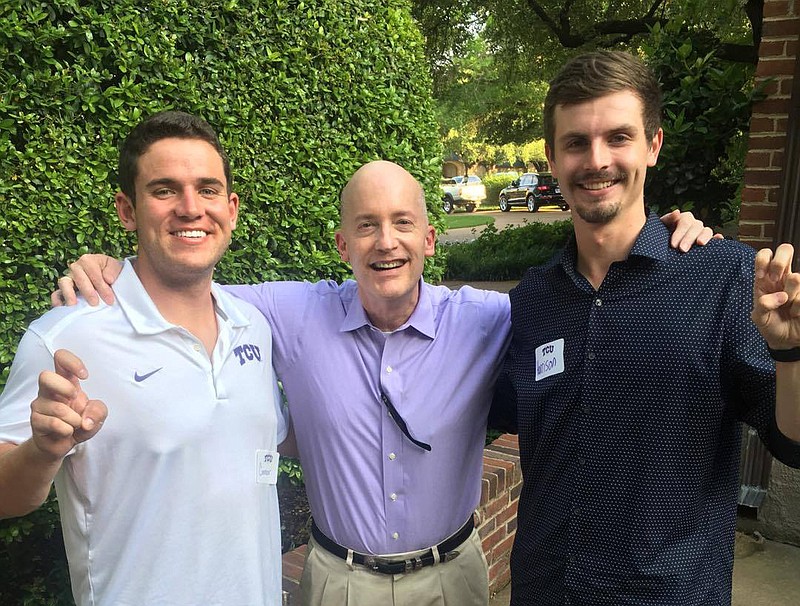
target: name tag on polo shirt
<point>549,359</point>
<point>267,466</point>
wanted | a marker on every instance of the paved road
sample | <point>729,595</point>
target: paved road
<point>516,217</point>
<point>764,574</point>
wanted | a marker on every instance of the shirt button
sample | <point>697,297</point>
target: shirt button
<point>393,496</point>
<point>395,535</point>
<point>585,409</point>
<point>581,461</point>
<point>598,302</point>
<point>590,355</point>
<point>392,456</point>
<point>197,346</point>
<point>388,369</point>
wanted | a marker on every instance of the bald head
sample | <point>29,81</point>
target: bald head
<point>385,237</point>
<point>381,179</point>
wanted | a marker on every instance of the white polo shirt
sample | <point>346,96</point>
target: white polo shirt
<point>173,501</point>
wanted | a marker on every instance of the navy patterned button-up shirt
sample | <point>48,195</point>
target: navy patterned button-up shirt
<point>628,401</point>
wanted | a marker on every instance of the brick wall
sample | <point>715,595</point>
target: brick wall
<point>500,488</point>
<point>768,124</point>
<point>497,517</point>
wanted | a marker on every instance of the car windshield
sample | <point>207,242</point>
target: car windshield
<point>472,179</point>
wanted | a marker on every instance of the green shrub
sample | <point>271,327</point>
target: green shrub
<point>494,183</point>
<point>506,254</point>
<point>707,104</point>
<point>301,92</point>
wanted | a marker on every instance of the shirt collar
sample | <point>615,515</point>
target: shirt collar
<point>143,314</point>
<point>421,318</point>
<point>652,242</point>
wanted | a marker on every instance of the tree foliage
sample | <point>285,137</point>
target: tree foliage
<point>707,103</point>
<point>537,35</point>
<point>301,91</point>
<point>703,52</point>
<point>583,24</point>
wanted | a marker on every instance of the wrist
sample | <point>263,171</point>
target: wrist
<point>41,454</point>
<point>791,354</point>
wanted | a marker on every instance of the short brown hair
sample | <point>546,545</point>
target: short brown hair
<point>593,75</point>
<point>165,125</point>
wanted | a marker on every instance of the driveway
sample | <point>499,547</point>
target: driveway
<point>515,217</point>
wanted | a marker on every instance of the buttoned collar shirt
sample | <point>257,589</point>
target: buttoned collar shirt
<point>369,487</point>
<point>629,399</point>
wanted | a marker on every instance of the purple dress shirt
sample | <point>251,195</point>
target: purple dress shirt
<point>369,487</point>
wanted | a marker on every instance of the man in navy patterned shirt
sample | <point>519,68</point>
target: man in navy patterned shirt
<point>631,366</point>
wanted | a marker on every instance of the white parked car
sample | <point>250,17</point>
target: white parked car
<point>468,192</point>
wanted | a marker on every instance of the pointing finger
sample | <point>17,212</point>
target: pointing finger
<point>69,366</point>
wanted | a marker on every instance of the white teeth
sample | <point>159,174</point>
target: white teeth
<point>387,265</point>
<point>195,233</point>
<point>601,185</point>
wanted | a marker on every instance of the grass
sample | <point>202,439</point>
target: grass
<point>467,220</point>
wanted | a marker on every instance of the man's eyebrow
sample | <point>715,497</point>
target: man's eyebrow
<point>211,181</point>
<point>168,182</point>
<point>161,182</point>
<point>620,128</point>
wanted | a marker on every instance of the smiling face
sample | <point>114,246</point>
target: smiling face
<point>385,236</point>
<point>600,155</point>
<point>183,213</point>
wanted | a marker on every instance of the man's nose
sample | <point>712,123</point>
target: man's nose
<point>598,156</point>
<point>387,239</point>
<point>190,204</point>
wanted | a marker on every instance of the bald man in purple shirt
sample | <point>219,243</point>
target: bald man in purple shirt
<point>389,381</point>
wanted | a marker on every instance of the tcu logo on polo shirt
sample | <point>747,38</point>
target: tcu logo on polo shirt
<point>247,353</point>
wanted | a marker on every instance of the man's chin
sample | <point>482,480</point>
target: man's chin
<point>599,214</point>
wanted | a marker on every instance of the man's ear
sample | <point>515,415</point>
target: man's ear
<point>551,160</point>
<point>655,147</point>
<point>233,208</point>
<point>126,211</point>
<point>430,241</point>
<point>341,246</point>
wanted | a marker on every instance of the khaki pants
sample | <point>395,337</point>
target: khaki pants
<point>329,581</point>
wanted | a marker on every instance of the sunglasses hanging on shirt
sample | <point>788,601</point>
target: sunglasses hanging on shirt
<point>401,422</point>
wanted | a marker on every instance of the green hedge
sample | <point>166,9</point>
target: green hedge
<point>707,107</point>
<point>301,92</point>
<point>506,254</point>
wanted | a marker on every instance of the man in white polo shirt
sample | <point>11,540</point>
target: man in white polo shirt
<point>165,481</point>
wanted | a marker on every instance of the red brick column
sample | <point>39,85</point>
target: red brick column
<point>768,124</point>
<point>500,488</point>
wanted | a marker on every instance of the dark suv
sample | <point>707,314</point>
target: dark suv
<point>534,190</point>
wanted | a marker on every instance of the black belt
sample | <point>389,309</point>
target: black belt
<point>383,565</point>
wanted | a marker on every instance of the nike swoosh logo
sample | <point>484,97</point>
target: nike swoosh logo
<point>139,378</point>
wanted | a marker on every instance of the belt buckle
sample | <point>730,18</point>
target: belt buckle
<point>373,563</point>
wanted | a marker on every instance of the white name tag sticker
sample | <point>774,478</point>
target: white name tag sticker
<point>267,466</point>
<point>549,359</point>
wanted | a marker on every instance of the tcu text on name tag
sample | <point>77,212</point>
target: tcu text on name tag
<point>549,359</point>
